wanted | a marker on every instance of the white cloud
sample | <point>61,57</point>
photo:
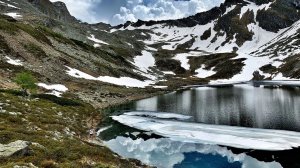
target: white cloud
<point>82,9</point>
<point>120,11</point>
<point>161,9</point>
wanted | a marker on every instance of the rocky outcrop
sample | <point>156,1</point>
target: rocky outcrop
<point>281,14</point>
<point>55,10</point>
<point>17,148</point>
<point>257,76</point>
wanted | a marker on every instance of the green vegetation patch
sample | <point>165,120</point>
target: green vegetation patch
<point>44,122</point>
<point>34,32</point>
<point>8,27</point>
<point>35,50</point>
<point>58,100</point>
<point>4,46</point>
<point>13,27</point>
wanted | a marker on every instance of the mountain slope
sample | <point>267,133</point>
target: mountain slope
<point>92,63</point>
<point>241,27</point>
<point>229,42</point>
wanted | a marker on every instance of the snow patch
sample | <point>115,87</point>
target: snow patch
<point>168,72</point>
<point>125,81</point>
<point>14,61</point>
<point>203,73</point>
<point>254,8</point>
<point>56,89</point>
<point>97,41</point>
<point>14,15</point>
<point>183,58</point>
<point>160,87</point>
<point>122,81</point>
<point>97,45</point>
<point>8,5</point>
<point>79,74</point>
<point>144,61</point>
<point>229,9</point>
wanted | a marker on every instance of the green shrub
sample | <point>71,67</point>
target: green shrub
<point>56,36</point>
<point>26,81</point>
<point>83,45</point>
<point>34,32</point>
<point>35,50</point>
<point>13,92</point>
<point>8,27</point>
<point>58,100</point>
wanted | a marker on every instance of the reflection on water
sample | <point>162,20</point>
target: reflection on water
<point>241,105</point>
<point>164,153</point>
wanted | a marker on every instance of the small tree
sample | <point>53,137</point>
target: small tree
<point>27,82</point>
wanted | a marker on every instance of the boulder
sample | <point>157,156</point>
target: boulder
<point>257,76</point>
<point>17,148</point>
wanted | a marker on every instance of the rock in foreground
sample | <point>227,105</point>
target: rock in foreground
<point>19,148</point>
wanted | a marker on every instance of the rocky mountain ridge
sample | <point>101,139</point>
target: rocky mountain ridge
<point>242,27</point>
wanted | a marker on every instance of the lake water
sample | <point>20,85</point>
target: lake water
<point>242,105</point>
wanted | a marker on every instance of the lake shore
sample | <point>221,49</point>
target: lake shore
<point>60,130</point>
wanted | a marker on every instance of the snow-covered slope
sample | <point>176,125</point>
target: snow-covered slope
<point>238,29</point>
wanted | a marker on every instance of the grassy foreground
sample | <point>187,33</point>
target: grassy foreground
<point>58,126</point>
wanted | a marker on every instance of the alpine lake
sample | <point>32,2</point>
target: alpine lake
<point>219,126</point>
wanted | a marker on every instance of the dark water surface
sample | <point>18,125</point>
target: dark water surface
<point>242,105</point>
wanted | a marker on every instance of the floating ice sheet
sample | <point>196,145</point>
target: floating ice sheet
<point>238,137</point>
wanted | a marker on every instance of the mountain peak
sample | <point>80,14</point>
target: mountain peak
<point>60,4</point>
<point>56,10</point>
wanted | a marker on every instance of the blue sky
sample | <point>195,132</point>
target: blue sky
<point>119,11</point>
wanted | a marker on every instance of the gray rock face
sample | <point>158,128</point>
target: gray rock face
<point>56,10</point>
<point>17,148</point>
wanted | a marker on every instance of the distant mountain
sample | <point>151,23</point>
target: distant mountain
<point>252,29</point>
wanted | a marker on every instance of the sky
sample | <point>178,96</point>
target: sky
<point>117,12</point>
